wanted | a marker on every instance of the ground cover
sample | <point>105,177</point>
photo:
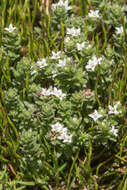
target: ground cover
<point>63,95</point>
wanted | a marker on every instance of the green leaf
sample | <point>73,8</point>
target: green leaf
<point>29,183</point>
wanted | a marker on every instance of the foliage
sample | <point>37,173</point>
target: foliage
<point>63,95</point>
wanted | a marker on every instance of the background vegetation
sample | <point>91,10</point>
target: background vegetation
<point>46,81</point>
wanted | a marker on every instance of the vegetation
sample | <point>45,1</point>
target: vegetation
<point>63,95</point>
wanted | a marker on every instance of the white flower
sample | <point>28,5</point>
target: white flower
<point>61,132</point>
<point>11,28</point>
<point>113,109</point>
<point>92,63</point>
<point>42,63</point>
<point>95,116</point>
<point>64,136</point>
<point>94,14</point>
<point>61,3</point>
<point>67,138</point>
<point>80,46</point>
<point>73,31</point>
<point>55,92</point>
<point>62,63</point>
<point>119,30</point>
<point>56,55</point>
<point>58,93</point>
<point>46,92</point>
<point>114,131</point>
<point>57,127</point>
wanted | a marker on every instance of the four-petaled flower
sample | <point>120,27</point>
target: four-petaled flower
<point>80,46</point>
<point>95,116</point>
<point>94,14</point>
<point>113,109</point>
<point>92,63</point>
<point>67,138</point>
<point>62,63</point>
<point>114,131</point>
<point>119,30</point>
<point>10,29</point>
<point>58,93</point>
<point>56,55</point>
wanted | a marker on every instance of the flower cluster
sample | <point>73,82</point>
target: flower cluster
<point>58,95</point>
<point>55,92</point>
<point>61,132</point>
<point>61,3</point>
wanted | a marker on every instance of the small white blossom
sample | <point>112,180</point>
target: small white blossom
<point>42,63</point>
<point>95,116</point>
<point>55,92</point>
<point>61,3</point>
<point>11,28</point>
<point>80,46</point>
<point>58,93</point>
<point>113,109</point>
<point>114,131</point>
<point>57,127</point>
<point>62,63</point>
<point>67,138</point>
<point>73,31</point>
<point>46,92</point>
<point>56,55</point>
<point>94,14</point>
<point>92,63</point>
<point>119,30</point>
<point>61,132</point>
